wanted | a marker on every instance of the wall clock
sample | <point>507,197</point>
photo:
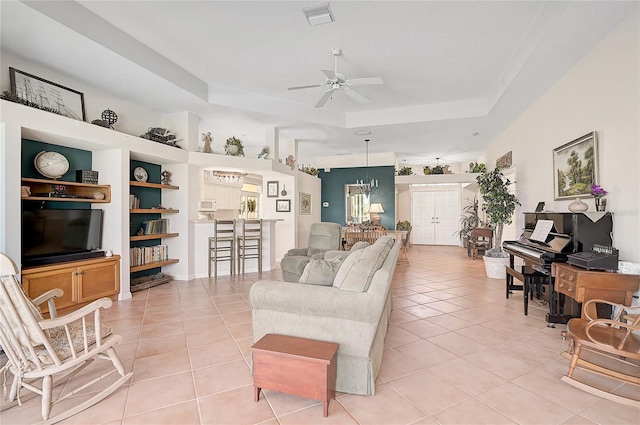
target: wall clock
<point>51,164</point>
<point>140,174</point>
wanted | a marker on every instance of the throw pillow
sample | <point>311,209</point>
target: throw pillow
<point>358,269</point>
<point>321,272</point>
<point>359,245</point>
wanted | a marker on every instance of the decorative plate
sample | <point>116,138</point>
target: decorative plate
<point>140,174</point>
<point>51,164</point>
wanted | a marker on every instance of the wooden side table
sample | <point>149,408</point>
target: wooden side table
<point>297,366</point>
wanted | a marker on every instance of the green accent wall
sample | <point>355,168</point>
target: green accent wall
<point>78,160</point>
<point>333,182</point>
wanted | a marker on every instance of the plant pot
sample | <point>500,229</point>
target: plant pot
<point>495,266</point>
<point>232,149</point>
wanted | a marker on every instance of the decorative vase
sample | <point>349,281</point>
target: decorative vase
<point>601,204</point>
<point>578,206</point>
<point>232,149</point>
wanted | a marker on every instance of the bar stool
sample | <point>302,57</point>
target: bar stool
<point>249,243</point>
<point>222,245</point>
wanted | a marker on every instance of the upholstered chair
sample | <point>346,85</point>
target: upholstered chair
<point>322,237</point>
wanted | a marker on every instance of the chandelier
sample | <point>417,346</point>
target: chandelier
<point>367,185</point>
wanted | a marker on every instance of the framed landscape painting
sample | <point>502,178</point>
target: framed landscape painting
<point>575,167</point>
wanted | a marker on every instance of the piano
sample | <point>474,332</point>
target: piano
<point>571,233</point>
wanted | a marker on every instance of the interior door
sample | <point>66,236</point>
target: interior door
<point>434,217</point>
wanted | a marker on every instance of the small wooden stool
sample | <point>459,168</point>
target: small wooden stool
<point>297,366</point>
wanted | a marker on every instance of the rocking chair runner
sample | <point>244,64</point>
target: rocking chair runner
<point>617,338</point>
<point>41,349</point>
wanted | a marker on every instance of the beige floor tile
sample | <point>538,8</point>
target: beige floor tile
<point>177,414</point>
<point>457,344</point>
<point>237,318</point>
<point>484,335</point>
<point>200,323</point>
<point>234,407</point>
<point>153,346</point>
<point>425,353</point>
<point>196,313</point>
<point>422,311</point>
<point>423,328</point>
<point>161,318</point>
<point>234,307</point>
<point>108,410</point>
<point>213,354</point>
<point>154,394</point>
<point>470,411</point>
<point>162,330</point>
<point>313,415</point>
<point>400,316</point>
<point>283,404</point>
<point>386,407</point>
<point>398,336</point>
<point>524,406</point>
<point>222,377</point>
<point>161,365</point>
<point>450,322</point>
<point>241,330</point>
<point>466,376</point>
<point>499,363</point>
<point>609,412</point>
<point>428,392</point>
<point>208,336</point>
<point>395,364</point>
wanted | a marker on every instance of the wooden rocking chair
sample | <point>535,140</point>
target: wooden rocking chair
<point>615,340</point>
<point>45,352</point>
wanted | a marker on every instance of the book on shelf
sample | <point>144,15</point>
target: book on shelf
<point>148,254</point>
<point>134,202</point>
<point>155,227</point>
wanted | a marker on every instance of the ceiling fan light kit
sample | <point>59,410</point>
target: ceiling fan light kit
<point>337,81</point>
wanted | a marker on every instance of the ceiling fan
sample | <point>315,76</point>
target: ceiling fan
<point>337,81</point>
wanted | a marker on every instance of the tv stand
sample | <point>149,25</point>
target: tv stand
<point>82,281</point>
<point>62,258</point>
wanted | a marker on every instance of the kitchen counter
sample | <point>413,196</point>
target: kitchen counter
<point>201,230</point>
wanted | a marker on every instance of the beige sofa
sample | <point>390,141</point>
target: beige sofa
<point>353,312</point>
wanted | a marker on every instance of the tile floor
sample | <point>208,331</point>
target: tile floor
<point>457,352</point>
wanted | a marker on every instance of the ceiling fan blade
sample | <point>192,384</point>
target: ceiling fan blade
<point>325,97</point>
<point>305,87</point>
<point>356,96</point>
<point>330,74</point>
<point>364,81</point>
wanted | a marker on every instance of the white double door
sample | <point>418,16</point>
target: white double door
<point>435,217</point>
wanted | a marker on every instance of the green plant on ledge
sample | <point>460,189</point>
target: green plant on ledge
<point>234,147</point>
<point>403,225</point>
<point>499,204</point>
<point>477,167</point>
<point>405,171</point>
<point>310,170</point>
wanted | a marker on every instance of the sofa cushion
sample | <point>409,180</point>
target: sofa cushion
<point>359,245</point>
<point>358,268</point>
<point>322,272</point>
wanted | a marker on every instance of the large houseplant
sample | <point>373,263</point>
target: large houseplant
<point>469,220</point>
<point>499,204</point>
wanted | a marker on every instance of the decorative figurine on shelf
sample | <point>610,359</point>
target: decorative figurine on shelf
<point>166,177</point>
<point>290,161</point>
<point>264,153</point>
<point>108,119</point>
<point>140,231</point>
<point>207,139</point>
<point>161,135</point>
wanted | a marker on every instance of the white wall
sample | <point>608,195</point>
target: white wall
<point>601,93</point>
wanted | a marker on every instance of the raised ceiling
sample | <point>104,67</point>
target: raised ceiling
<point>451,69</point>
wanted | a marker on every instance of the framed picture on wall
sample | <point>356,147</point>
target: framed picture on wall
<point>575,167</point>
<point>305,203</point>
<point>272,189</point>
<point>45,94</point>
<point>283,205</point>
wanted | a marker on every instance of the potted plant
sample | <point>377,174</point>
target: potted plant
<point>499,205</point>
<point>403,225</point>
<point>234,147</point>
<point>469,220</point>
<point>405,171</point>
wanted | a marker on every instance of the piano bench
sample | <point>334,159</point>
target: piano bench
<point>531,281</point>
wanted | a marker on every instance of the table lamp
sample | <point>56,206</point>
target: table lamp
<point>374,210</point>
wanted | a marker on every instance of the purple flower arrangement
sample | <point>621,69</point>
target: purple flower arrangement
<point>597,191</point>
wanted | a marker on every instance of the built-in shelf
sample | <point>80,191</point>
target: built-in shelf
<point>153,185</point>
<point>150,237</point>
<point>154,211</point>
<point>153,265</point>
<point>77,192</point>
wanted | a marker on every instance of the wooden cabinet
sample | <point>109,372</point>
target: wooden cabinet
<point>82,281</point>
<point>583,285</point>
<point>227,197</point>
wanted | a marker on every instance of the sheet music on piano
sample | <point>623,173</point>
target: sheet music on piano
<point>541,231</point>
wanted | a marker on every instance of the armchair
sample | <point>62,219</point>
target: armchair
<point>322,237</point>
<point>43,353</point>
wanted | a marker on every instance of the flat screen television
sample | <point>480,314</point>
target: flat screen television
<point>52,235</point>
